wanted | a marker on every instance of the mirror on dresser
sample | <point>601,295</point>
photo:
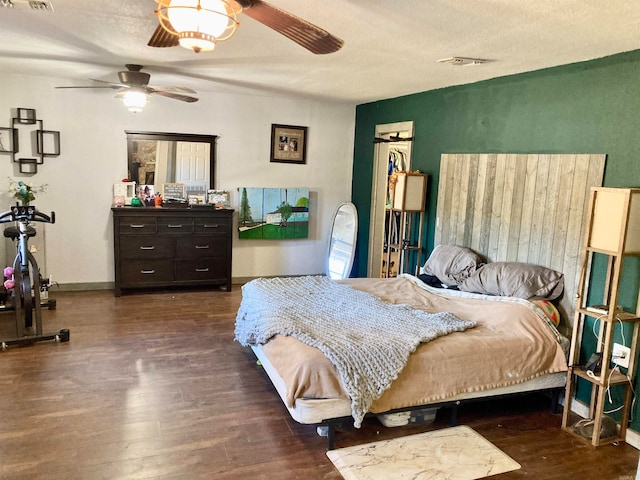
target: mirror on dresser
<point>155,158</point>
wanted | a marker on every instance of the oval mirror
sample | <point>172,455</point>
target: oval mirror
<point>342,242</point>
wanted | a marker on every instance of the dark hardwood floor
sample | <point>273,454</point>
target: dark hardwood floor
<point>153,386</point>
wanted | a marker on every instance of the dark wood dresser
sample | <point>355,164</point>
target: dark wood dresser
<point>161,247</point>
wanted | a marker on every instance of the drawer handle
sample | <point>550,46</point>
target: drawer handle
<point>147,272</point>
<point>202,269</point>
<point>137,225</point>
<point>147,248</point>
<point>175,226</point>
<point>214,225</point>
<point>202,247</point>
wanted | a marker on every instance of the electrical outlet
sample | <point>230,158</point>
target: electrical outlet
<point>620,355</point>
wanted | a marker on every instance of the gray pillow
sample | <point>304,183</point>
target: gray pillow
<point>452,264</point>
<point>514,279</point>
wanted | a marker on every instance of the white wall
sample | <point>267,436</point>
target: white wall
<point>79,247</point>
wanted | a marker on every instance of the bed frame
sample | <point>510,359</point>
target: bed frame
<point>331,413</point>
<point>332,424</point>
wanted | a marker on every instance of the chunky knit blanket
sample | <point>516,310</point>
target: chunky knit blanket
<point>367,339</point>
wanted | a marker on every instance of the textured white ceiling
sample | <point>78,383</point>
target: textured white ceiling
<point>391,47</point>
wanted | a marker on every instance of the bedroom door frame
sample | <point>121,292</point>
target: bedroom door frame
<point>379,189</point>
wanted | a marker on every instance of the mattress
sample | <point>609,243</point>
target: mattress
<point>512,349</point>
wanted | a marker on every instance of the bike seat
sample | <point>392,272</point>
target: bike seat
<point>13,233</point>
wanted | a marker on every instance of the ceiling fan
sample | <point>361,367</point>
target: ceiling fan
<point>134,88</point>
<point>199,24</point>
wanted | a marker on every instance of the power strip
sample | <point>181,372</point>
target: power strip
<point>599,309</point>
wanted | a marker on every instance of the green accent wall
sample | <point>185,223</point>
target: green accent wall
<point>587,107</point>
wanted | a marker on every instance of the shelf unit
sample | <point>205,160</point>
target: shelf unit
<point>613,230</point>
<point>405,222</point>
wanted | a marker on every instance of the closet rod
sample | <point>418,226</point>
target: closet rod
<point>392,139</point>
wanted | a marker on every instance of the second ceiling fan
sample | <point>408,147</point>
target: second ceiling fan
<point>199,24</point>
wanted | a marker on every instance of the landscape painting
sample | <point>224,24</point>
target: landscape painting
<point>273,213</point>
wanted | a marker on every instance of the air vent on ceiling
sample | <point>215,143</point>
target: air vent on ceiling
<point>38,5</point>
<point>41,6</point>
<point>463,61</point>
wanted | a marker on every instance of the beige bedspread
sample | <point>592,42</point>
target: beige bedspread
<point>511,344</point>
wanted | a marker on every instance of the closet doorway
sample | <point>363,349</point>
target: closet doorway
<point>389,155</point>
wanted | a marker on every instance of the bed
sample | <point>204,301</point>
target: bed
<point>512,208</point>
<point>509,345</point>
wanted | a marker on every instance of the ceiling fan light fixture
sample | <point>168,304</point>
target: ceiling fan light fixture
<point>134,100</point>
<point>197,41</point>
<point>199,24</point>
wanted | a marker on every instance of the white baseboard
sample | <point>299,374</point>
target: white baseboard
<point>632,437</point>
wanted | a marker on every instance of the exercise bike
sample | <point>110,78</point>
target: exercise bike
<point>27,279</point>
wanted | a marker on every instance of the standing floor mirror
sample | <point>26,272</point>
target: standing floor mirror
<point>342,242</point>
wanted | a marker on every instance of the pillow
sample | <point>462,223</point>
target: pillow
<point>452,264</point>
<point>514,279</point>
<point>550,310</point>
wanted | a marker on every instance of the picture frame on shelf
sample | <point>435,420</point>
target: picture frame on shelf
<point>288,144</point>
<point>173,191</point>
<point>218,198</point>
<point>146,193</point>
<point>197,199</point>
<point>126,190</point>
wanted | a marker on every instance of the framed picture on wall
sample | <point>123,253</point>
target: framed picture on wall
<point>288,144</point>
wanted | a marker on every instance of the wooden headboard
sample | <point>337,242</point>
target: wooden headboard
<point>519,208</point>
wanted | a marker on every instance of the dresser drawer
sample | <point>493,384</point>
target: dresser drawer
<point>175,225</point>
<point>147,246</point>
<point>137,225</point>
<point>201,246</point>
<point>147,271</point>
<point>212,225</point>
<point>203,269</point>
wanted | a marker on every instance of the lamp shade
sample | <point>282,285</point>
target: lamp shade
<point>134,100</point>
<point>616,220</point>
<point>199,23</point>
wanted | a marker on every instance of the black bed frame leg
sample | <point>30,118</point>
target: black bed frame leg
<point>331,435</point>
<point>453,420</point>
<point>555,400</point>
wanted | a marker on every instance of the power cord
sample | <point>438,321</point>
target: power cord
<point>610,399</point>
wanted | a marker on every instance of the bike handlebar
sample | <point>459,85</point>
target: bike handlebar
<point>28,213</point>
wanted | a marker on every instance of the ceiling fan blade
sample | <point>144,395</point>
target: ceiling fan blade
<point>110,84</point>
<point>161,38</point>
<point>175,96</point>
<point>89,86</point>
<point>105,85</point>
<point>173,89</point>
<point>305,34</point>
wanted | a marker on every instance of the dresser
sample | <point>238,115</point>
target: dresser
<point>163,247</point>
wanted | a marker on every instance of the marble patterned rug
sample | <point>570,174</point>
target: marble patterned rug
<point>457,453</point>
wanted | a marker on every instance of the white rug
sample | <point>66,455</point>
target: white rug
<point>457,453</point>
